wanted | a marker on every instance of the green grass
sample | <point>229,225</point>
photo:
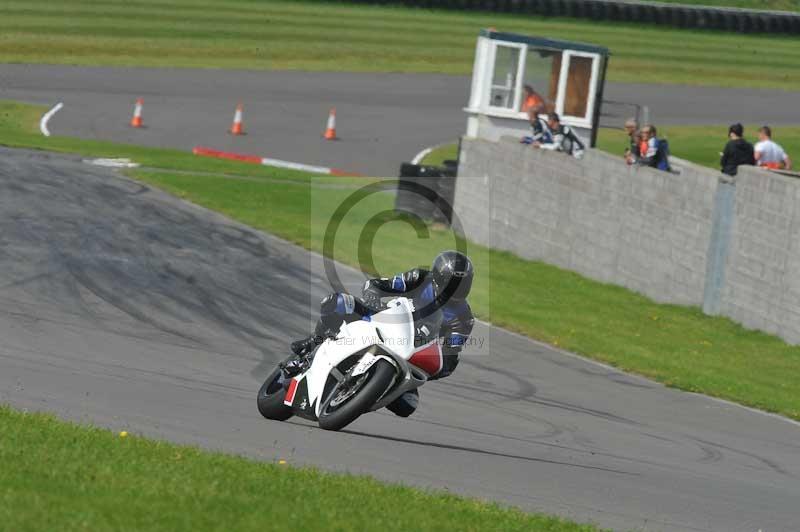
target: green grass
<point>347,37</point>
<point>440,154</point>
<point>61,476</point>
<point>676,345</point>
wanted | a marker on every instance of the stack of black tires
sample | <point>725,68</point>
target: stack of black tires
<point>427,191</point>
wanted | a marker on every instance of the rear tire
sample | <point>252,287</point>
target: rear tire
<point>270,398</point>
<point>380,377</point>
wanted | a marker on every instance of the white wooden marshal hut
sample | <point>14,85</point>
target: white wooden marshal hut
<point>567,76</point>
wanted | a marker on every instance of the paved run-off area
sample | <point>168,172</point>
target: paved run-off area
<point>128,308</point>
<point>383,119</point>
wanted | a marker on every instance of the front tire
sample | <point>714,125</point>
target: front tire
<point>379,378</point>
<point>270,398</point>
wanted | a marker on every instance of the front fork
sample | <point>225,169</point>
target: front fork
<point>295,366</point>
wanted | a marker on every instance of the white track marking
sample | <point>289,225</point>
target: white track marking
<point>266,161</point>
<point>47,116</point>
<point>421,155</point>
<point>424,153</point>
<point>112,163</point>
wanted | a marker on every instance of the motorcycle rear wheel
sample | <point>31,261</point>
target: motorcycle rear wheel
<point>379,378</point>
<point>270,398</point>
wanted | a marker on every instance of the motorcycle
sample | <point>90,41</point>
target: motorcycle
<point>369,364</point>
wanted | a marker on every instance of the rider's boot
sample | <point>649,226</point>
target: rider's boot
<point>405,405</point>
<point>323,329</point>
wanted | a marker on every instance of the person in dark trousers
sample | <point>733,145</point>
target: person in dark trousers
<point>737,151</point>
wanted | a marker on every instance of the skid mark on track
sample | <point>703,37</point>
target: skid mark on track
<point>527,391</point>
<point>770,464</point>
<point>546,402</point>
<point>486,452</point>
<point>572,449</point>
<point>119,262</point>
<point>525,387</point>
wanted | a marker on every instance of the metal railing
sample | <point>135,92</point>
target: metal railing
<point>613,114</point>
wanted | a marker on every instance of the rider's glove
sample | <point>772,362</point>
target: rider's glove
<point>371,298</point>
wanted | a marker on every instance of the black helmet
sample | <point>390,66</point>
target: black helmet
<point>452,273</point>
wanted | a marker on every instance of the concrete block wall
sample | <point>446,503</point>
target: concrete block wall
<point>637,227</point>
<point>761,286</point>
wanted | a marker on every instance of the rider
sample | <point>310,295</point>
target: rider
<point>442,289</point>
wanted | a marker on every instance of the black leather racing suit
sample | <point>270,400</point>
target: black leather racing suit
<point>453,319</point>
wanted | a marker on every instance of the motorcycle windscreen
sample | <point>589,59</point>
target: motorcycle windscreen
<point>428,358</point>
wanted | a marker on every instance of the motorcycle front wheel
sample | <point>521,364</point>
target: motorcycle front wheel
<point>349,399</point>
<point>270,398</point>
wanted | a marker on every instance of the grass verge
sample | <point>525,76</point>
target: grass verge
<point>676,345</point>
<point>440,154</point>
<point>61,476</point>
<point>279,34</point>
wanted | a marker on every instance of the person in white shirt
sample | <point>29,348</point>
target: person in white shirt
<point>769,154</point>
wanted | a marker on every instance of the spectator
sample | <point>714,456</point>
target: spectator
<point>653,152</point>
<point>564,139</point>
<point>737,151</point>
<point>632,151</point>
<point>532,100</point>
<point>540,131</point>
<point>769,154</point>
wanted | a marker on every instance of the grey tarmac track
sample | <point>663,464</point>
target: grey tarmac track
<point>383,119</point>
<point>123,306</point>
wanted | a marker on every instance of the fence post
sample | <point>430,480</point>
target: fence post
<point>722,220</point>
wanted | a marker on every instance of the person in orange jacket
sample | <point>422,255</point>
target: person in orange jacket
<point>533,100</point>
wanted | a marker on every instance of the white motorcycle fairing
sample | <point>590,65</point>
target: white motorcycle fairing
<point>387,335</point>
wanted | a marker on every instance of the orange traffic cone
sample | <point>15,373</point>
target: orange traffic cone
<point>330,131</point>
<point>136,121</point>
<point>237,128</point>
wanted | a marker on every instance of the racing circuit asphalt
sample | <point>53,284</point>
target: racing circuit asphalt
<point>382,119</point>
<point>123,306</point>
